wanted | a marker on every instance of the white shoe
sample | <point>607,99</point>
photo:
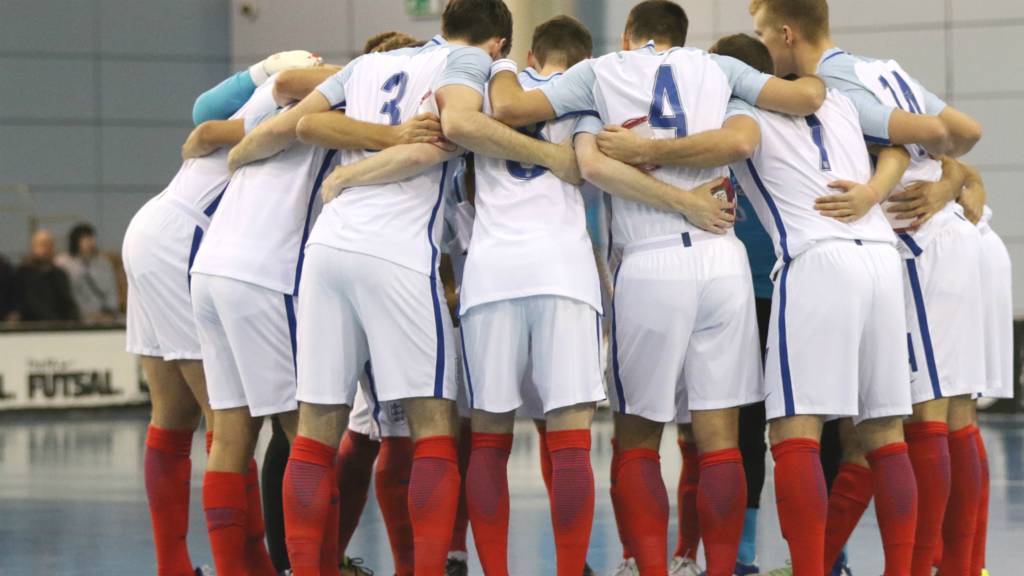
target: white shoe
<point>684,567</point>
<point>626,568</point>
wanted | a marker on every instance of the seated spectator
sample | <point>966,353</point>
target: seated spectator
<point>42,291</point>
<point>6,287</point>
<point>93,283</point>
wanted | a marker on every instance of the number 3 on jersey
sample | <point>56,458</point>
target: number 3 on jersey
<point>666,92</point>
<point>390,109</point>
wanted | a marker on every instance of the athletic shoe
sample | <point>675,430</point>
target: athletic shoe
<point>984,572</point>
<point>353,567</point>
<point>587,570</point>
<point>626,568</point>
<point>841,569</point>
<point>204,570</point>
<point>684,567</point>
<point>456,567</point>
<point>745,569</point>
<point>786,570</point>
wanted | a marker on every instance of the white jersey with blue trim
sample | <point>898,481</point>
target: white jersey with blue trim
<point>680,92</point>
<point>264,218</point>
<point>877,88</point>
<point>199,183</point>
<point>399,221</point>
<point>530,235</point>
<point>793,165</point>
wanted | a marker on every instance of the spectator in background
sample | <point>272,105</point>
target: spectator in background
<point>42,291</point>
<point>6,288</point>
<point>93,282</point>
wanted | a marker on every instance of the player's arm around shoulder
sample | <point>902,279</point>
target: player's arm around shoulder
<point>736,140</point>
<point>211,136</point>
<point>855,199</point>
<point>295,84</point>
<point>510,104</point>
<point>276,133</point>
<point>393,164</point>
<point>799,97</point>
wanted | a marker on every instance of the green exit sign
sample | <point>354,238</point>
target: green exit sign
<point>424,8</point>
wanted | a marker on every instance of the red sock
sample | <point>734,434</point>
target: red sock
<point>981,531</point>
<point>928,447</point>
<point>961,519</point>
<point>353,467</point>
<point>391,483</point>
<point>458,543</point>
<point>644,502</point>
<point>615,493</point>
<point>686,500</point>
<point>721,505</point>
<point>545,457</point>
<point>168,474</point>
<point>849,498</point>
<point>433,500</point>
<point>224,502</point>
<point>487,495</point>
<point>330,557</point>
<point>209,442</point>
<point>308,484</point>
<point>802,500</point>
<point>572,498</point>
<point>256,556</point>
<point>892,477</point>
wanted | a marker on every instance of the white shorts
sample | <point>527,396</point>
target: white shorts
<point>943,302</point>
<point>248,337</point>
<point>684,330</point>
<point>158,248</point>
<point>377,420</point>
<point>356,307</point>
<point>837,337</point>
<point>559,337</point>
<point>997,300</point>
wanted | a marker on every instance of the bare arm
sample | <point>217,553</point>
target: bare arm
<point>464,124</point>
<point>973,196</point>
<point>275,134</point>
<point>856,199</point>
<point>515,107</point>
<point>921,129</point>
<point>800,97</point>
<point>336,130</point>
<point>699,205</point>
<point>964,131</point>
<point>211,136</point>
<point>736,140</point>
<point>390,165</point>
<point>294,85</point>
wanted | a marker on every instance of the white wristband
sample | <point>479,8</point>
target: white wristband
<point>258,73</point>
<point>504,65</point>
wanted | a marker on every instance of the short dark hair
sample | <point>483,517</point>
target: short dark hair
<point>658,20</point>
<point>747,49</point>
<point>562,38</point>
<point>80,231</point>
<point>477,21</point>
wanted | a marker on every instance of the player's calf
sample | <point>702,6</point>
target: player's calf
<point>487,495</point>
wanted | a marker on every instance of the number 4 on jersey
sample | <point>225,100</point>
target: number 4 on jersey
<point>666,92</point>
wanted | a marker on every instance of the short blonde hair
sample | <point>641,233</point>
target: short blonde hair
<point>810,17</point>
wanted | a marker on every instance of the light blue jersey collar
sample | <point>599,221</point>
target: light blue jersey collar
<point>830,53</point>
<point>536,76</point>
<point>437,40</point>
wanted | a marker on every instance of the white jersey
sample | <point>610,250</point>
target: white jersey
<point>400,221</point>
<point>530,236</point>
<point>797,159</point>
<point>680,92</point>
<point>264,219</point>
<point>459,214</point>
<point>877,87</point>
<point>200,182</point>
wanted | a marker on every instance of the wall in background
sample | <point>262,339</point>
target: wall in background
<point>95,102</point>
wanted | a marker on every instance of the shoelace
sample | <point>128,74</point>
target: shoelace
<point>357,564</point>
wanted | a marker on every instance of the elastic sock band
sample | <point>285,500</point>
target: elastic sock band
<point>176,442</point>
<point>308,450</point>
<point>717,457</point>
<point>564,439</point>
<point>627,456</point>
<point>921,430</point>
<point>795,445</point>
<point>887,450</point>
<point>442,447</point>
<point>961,433</point>
<point>501,442</point>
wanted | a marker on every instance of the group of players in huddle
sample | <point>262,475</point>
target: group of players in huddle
<point>429,175</point>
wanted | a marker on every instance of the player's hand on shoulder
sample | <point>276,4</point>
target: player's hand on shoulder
<point>706,207</point>
<point>853,201</point>
<point>333,185</point>
<point>623,145</point>
<point>972,198</point>
<point>423,128</point>
<point>920,201</point>
<point>195,145</point>
<point>565,166</point>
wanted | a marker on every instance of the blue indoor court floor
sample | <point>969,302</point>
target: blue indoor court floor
<point>72,501</point>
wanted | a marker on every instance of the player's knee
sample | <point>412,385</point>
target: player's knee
<point>493,423</point>
<point>321,422</point>
<point>571,417</point>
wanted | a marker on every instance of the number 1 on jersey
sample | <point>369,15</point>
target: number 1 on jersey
<point>665,91</point>
<point>390,109</point>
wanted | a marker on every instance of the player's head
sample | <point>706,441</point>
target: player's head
<point>561,42</point>
<point>387,41</point>
<point>663,21</point>
<point>486,24</point>
<point>789,26</point>
<point>747,49</point>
